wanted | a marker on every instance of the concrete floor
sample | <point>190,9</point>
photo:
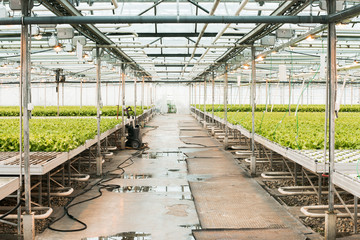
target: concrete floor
<point>165,212</point>
<point>229,204</point>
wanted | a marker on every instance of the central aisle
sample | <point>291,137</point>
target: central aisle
<point>155,202</point>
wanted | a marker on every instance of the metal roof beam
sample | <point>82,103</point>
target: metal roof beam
<point>163,19</point>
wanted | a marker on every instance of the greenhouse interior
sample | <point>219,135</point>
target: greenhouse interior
<point>179,119</point>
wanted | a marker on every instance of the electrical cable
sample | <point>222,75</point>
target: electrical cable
<point>101,185</point>
<point>10,211</point>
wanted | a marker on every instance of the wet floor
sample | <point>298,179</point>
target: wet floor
<point>152,200</point>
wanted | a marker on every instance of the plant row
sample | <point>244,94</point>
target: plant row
<point>9,111</point>
<point>55,135</point>
<point>306,131</point>
<point>276,108</point>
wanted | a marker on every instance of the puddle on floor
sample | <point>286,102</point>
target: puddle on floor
<point>174,170</point>
<point>191,226</point>
<point>155,155</point>
<point>156,189</point>
<point>198,177</point>
<point>136,176</point>
<point>123,236</point>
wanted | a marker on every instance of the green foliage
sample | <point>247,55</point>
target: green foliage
<point>66,111</point>
<point>311,128</point>
<point>277,108</point>
<point>53,135</point>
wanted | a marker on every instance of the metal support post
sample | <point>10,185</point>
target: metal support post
<point>151,94</point>
<point>28,217</point>
<point>123,133</point>
<point>252,100</point>
<point>213,95</point>
<point>226,139</point>
<point>98,115</point>
<point>356,202</point>
<point>320,188</point>
<point>135,98</point>
<point>106,92</point>
<point>142,92</point>
<point>295,174</point>
<point>266,95</point>
<point>195,96</point>
<point>62,94</point>
<point>45,95</point>
<point>48,195</point>
<point>58,98</point>
<point>81,83</point>
<point>205,96</point>
<point>330,217</point>
<point>290,94</point>
<point>190,96</point>
<point>154,94</point>
<point>239,87</point>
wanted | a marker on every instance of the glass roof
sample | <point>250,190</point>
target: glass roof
<point>178,52</point>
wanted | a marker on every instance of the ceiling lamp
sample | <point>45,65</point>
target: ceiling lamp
<point>310,38</point>
<point>58,48</point>
<point>260,58</point>
<point>38,36</point>
<point>53,41</point>
<point>68,47</point>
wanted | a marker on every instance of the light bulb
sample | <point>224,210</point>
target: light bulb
<point>38,36</point>
<point>57,48</point>
<point>260,58</point>
<point>310,38</point>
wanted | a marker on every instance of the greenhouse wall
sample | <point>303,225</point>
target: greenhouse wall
<point>45,95</point>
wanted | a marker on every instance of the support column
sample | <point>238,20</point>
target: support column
<point>81,83</point>
<point>44,95</point>
<point>239,87</point>
<point>28,217</point>
<point>155,89</point>
<point>151,94</point>
<point>62,93</point>
<point>213,94</point>
<point>266,95</point>
<point>356,201</point>
<point>58,96</point>
<point>123,133</point>
<point>135,98</point>
<point>290,94</point>
<point>190,96</point>
<point>98,114</point>
<point>142,92</point>
<point>226,139</point>
<point>252,100</point>
<point>195,96</point>
<point>106,92</point>
<point>205,91</point>
<point>330,217</point>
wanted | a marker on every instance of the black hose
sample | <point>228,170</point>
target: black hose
<point>12,210</point>
<point>101,185</point>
